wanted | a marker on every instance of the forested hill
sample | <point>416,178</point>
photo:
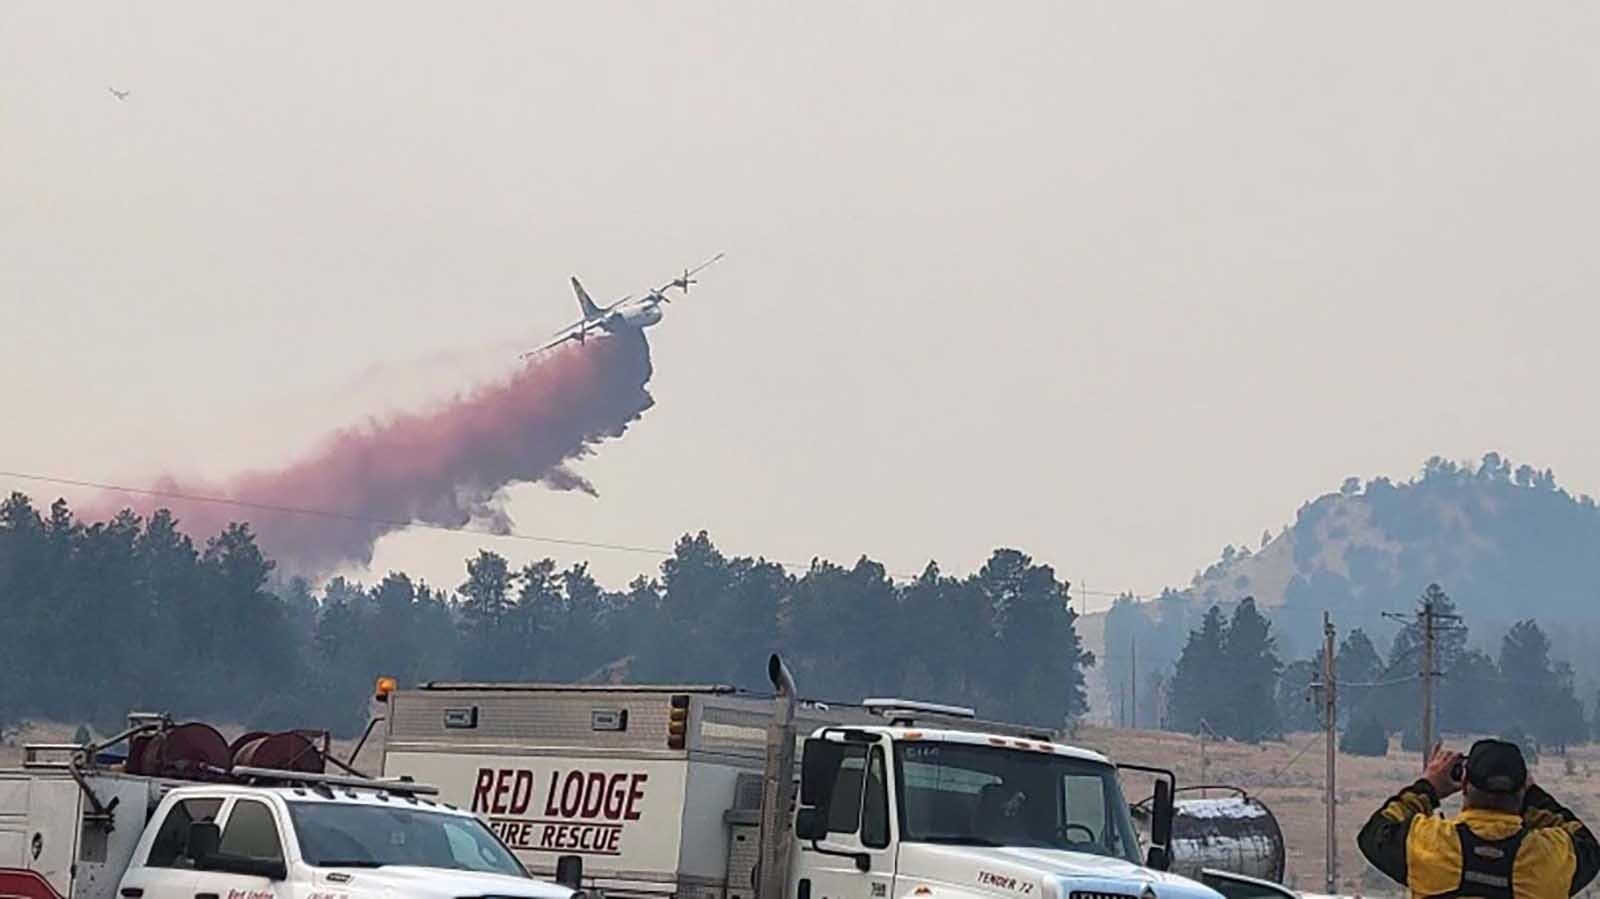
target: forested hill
<point>1496,535</point>
<point>1506,542</point>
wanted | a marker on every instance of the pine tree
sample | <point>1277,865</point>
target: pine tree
<point>1192,700</point>
<point>1296,710</point>
<point>1469,694</point>
<point>1537,696</point>
<point>1357,663</point>
<point>492,650</point>
<point>1365,736</point>
<point>1250,674</point>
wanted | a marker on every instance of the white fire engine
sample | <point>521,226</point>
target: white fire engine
<point>185,815</point>
<point>688,792</point>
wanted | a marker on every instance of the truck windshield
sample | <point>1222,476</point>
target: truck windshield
<point>352,835</point>
<point>988,796</point>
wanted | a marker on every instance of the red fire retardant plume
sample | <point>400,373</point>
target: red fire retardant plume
<point>441,467</point>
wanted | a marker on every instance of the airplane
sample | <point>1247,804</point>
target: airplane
<point>626,313</point>
<point>120,95</point>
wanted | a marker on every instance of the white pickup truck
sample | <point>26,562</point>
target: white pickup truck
<point>76,828</point>
<point>231,842</point>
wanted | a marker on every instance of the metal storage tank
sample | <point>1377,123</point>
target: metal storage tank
<point>1230,833</point>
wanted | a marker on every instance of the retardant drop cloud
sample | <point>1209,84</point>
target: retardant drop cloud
<point>441,467</point>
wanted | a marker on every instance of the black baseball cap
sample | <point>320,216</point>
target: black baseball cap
<point>1496,766</point>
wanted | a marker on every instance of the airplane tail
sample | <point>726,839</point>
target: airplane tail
<point>590,310</point>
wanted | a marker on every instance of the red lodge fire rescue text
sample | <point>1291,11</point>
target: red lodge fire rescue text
<point>581,812</point>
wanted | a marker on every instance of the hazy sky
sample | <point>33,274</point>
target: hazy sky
<point>1113,283</point>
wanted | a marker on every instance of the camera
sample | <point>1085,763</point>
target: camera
<point>1458,771</point>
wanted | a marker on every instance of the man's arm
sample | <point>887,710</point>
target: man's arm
<point>1540,809</point>
<point>1383,838</point>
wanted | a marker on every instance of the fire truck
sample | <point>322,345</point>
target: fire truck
<point>185,814</point>
<point>689,792</point>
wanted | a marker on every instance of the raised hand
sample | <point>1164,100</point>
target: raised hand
<point>1440,771</point>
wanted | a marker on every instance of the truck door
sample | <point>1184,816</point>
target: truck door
<point>165,870</point>
<point>854,859</point>
<point>252,838</point>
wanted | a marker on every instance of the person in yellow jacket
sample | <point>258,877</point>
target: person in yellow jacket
<point>1510,841</point>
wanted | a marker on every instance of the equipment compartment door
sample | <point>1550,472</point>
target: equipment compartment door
<point>38,836</point>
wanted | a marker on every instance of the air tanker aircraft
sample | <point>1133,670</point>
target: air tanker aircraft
<point>627,312</point>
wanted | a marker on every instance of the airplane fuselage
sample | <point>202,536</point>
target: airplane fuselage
<point>636,317</point>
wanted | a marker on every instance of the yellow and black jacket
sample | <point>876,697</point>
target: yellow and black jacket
<point>1544,853</point>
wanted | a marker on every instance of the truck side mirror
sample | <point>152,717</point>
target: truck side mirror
<point>569,871</point>
<point>204,838</point>
<point>1161,812</point>
<point>819,767</point>
<point>810,823</point>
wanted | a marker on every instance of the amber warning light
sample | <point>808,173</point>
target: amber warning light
<point>678,722</point>
<point>384,687</point>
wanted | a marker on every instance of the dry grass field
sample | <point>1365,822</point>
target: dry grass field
<point>1286,776</point>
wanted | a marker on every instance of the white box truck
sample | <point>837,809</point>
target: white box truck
<point>688,792</point>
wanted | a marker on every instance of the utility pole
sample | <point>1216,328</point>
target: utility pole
<point>1133,679</point>
<point>1205,731</point>
<point>1330,711</point>
<point>1427,679</point>
<point>1428,617</point>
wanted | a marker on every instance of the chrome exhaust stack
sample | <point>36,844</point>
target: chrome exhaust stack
<point>777,787</point>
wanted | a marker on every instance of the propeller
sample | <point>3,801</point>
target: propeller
<point>685,281</point>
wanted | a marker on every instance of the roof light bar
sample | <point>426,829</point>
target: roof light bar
<point>885,706</point>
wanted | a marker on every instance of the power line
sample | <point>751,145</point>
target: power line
<point>392,523</point>
<point>1408,679</point>
<point>1503,681</point>
<point>333,514</point>
<point>400,525</point>
<point>1297,756</point>
<point>510,535</point>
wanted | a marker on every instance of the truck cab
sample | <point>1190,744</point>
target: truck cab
<point>911,812</point>
<point>305,842</point>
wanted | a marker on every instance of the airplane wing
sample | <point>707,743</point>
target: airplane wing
<point>705,265</point>
<point>570,332</point>
<point>689,273</point>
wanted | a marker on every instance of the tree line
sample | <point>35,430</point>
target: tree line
<point>100,618</point>
<point>1229,679</point>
